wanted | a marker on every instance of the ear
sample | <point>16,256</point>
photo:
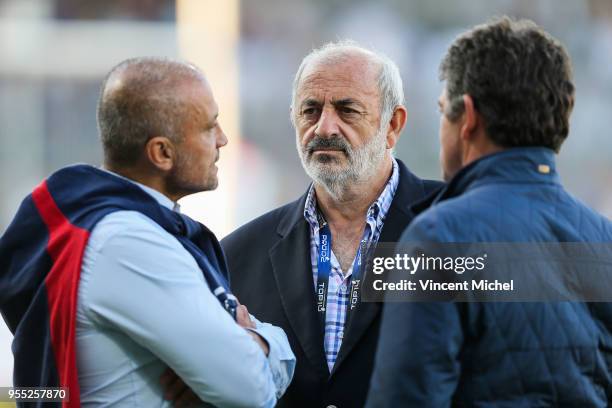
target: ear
<point>396,125</point>
<point>470,118</point>
<point>161,152</point>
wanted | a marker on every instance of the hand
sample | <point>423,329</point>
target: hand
<point>177,391</point>
<point>243,318</point>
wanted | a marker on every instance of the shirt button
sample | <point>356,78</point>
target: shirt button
<point>341,335</point>
<point>343,289</point>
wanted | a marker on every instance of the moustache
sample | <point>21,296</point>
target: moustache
<point>322,143</point>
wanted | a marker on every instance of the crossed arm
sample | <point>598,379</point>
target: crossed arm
<point>149,287</point>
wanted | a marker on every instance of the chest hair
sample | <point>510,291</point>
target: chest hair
<point>345,243</point>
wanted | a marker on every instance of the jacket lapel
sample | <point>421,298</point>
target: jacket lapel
<point>291,265</point>
<point>409,190</point>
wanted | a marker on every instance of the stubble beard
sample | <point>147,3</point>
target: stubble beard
<point>180,182</point>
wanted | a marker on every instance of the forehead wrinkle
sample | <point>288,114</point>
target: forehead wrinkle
<point>343,79</point>
<point>344,101</point>
<point>319,87</point>
<point>357,66</point>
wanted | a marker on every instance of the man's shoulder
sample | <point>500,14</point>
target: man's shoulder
<point>432,185</point>
<point>452,219</point>
<point>416,188</point>
<point>126,225</point>
<point>262,228</point>
<point>509,212</point>
<point>587,222</point>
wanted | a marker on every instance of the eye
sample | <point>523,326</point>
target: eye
<point>348,113</point>
<point>310,113</point>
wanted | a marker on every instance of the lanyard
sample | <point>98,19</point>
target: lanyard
<point>324,270</point>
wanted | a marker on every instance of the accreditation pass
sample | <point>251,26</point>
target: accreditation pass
<point>33,394</point>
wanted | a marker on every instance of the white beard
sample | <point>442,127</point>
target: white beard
<point>363,164</point>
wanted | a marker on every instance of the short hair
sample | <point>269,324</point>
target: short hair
<point>390,85</point>
<point>520,79</point>
<point>138,101</point>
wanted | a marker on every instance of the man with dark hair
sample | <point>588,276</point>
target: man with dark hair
<point>504,113</point>
<point>299,266</point>
<point>105,284</point>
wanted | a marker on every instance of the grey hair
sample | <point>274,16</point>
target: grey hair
<point>138,101</point>
<point>390,85</point>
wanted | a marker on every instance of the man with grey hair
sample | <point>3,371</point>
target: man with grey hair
<point>105,284</point>
<point>299,266</point>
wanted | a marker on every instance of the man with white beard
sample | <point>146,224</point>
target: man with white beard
<point>297,266</point>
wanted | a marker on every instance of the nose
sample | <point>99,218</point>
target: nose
<point>221,138</point>
<point>327,125</point>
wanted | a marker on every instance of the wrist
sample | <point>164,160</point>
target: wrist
<point>260,341</point>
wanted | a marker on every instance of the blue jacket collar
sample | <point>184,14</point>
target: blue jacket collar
<point>525,165</point>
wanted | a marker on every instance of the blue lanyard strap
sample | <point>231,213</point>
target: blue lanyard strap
<point>323,267</point>
<point>324,270</point>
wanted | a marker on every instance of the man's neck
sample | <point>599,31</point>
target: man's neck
<point>481,147</point>
<point>144,178</point>
<point>350,208</point>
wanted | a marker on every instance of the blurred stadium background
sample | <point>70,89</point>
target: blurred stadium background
<point>54,54</point>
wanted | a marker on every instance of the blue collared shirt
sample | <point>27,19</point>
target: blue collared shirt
<point>339,283</point>
<point>144,305</point>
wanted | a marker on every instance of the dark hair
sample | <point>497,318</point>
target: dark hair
<point>138,101</point>
<point>520,79</point>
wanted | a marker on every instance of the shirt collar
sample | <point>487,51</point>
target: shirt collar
<point>159,197</point>
<point>377,211</point>
<point>517,165</point>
